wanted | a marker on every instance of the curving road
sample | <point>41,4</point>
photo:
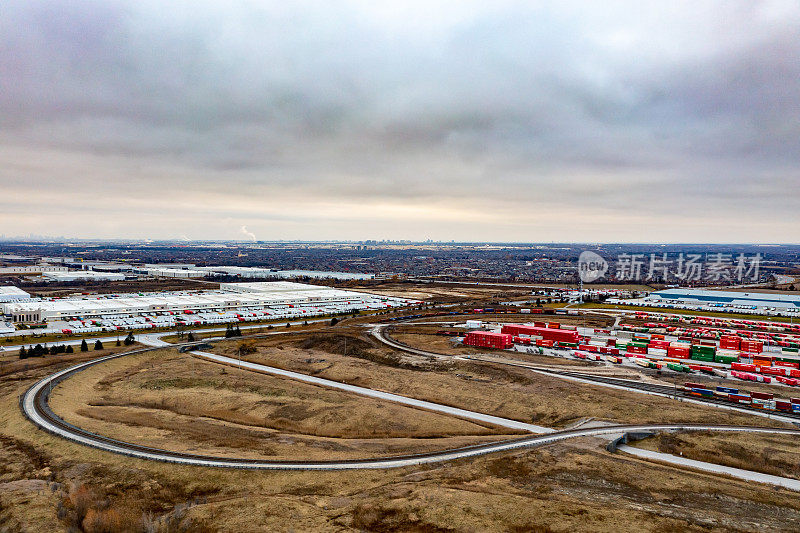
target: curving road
<point>34,405</point>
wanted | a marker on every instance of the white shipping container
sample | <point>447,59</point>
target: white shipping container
<point>657,351</point>
<point>474,324</point>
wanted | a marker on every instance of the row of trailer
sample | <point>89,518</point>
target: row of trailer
<point>760,400</point>
<point>171,319</point>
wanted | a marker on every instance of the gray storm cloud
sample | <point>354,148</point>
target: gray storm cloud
<point>501,121</point>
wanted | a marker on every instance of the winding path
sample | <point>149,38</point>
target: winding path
<point>34,404</point>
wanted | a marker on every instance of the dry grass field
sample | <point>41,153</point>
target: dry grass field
<point>490,388</point>
<point>778,455</point>
<point>48,484</point>
<point>174,401</point>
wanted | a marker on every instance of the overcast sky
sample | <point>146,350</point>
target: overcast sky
<point>495,121</point>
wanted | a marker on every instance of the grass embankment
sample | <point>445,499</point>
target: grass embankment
<point>489,388</point>
<point>174,401</point>
<point>777,455</point>
<point>11,363</point>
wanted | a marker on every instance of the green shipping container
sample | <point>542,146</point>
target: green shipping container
<point>705,350</point>
<point>727,359</point>
<point>677,367</point>
<point>703,357</point>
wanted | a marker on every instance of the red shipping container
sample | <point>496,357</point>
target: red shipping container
<point>557,335</point>
<point>762,395</point>
<point>488,339</point>
<point>744,367</point>
<point>782,405</point>
<point>786,364</point>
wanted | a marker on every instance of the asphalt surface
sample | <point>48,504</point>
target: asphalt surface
<point>749,475</point>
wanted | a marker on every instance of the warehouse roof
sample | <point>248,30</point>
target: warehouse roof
<point>229,295</point>
<point>10,290</point>
<point>762,299</point>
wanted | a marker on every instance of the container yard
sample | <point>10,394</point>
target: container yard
<point>745,350</point>
<point>758,303</point>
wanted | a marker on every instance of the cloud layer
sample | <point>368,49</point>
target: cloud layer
<point>450,120</point>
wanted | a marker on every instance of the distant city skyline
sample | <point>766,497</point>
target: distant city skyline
<point>475,122</point>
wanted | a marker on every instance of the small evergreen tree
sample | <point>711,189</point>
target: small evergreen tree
<point>84,346</point>
<point>54,350</point>
<point>334,321</point>
<point>190,337</point>
<point>23,353</point>
<point>98,345</point>
<point>69,349</point>
<point>129,339</point>
<point>119,343</point>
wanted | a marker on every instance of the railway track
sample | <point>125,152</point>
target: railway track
<point>662,390</point>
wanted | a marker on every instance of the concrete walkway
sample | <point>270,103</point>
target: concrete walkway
<point>363,391</point>
<point>749,475</point>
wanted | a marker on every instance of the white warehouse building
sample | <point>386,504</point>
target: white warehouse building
<point>230,296</point>
<point>10,293</point>
<point>82,275</point>
<point>176,273</point>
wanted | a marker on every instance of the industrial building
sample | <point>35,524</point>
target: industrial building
<point>231,296</point>
<point>9,293</point>
<point>176,273</point>
<point>704,297</point>
<point>725,301</point>
<point>82,275</point>
<point>31,269</point>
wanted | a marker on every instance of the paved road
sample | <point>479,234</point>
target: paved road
<point>150,338</point>
<point>749,475</point>
<point>34,405</point>
<point>372,393</point>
